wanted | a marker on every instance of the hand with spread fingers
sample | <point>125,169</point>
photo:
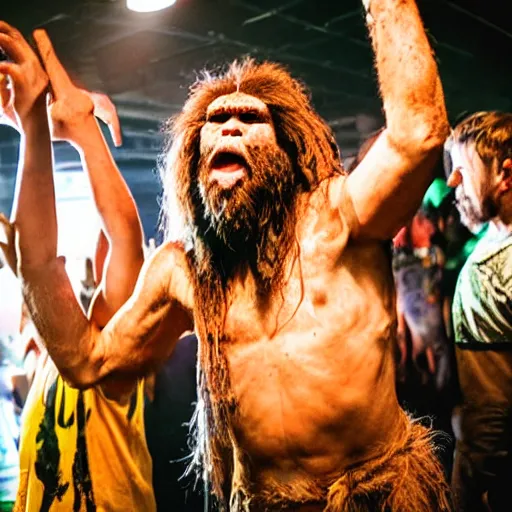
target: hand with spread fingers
<point>28,78</point>
<point>69,106</point>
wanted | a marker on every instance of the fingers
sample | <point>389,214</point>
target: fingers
<point>3,250</point>
<point>8,254</point>
<point>7,244</point>
<point>6,229</point>
<point>12,48</point>
<point>11,69</point>
<point>58,76</point>
<point>7,114</point>
<point>5,93</point>
<point>5,222</point>
<point>115,131</point>
<point>5,28</point>
<point>13,43</point>
<point>105,110</point>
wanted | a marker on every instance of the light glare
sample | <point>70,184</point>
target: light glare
<point>148,5</point>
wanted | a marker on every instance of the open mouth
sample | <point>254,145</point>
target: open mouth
<point>227,168</point>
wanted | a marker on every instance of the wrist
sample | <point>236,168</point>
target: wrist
<point>35,116</point>
<point>84,134</point>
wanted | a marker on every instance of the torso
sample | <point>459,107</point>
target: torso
<point>481,312</point>
<point>313,375</point>
<point>81,451</point>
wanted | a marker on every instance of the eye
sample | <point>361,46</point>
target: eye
<point>219,118</point>
<point>251,117</point>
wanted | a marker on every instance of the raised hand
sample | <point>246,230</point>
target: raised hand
<point>7,114</point>
<point>69,105</point>
<point>28,78</point>
<point>105,110</point>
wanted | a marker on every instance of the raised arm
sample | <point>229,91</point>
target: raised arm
<point>387,186</point>
<point>146,328</point>
<point>72,115</point>
<point>34,201</point>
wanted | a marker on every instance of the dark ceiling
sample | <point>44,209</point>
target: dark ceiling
<point>146,61</point>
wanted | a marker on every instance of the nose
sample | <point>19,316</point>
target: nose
<point>455,179</point>
<point>232,128</point>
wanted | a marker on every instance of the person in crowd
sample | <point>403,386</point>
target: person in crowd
<point>88,284</point>
<point>426,377</point>
<point>80,449</point>
<point>270,245</point>
<point>170,397</point>
<point>425,381</point>
<point>418,269</point>
<point>481,173</point>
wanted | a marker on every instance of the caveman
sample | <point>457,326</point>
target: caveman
<point>276,258</point>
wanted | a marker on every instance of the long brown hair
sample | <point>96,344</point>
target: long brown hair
<point>313,155</point>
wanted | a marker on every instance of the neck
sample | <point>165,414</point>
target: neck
<point>501,227</point>
<point>504,217</point>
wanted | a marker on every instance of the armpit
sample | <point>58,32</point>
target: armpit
<point>340,198</point>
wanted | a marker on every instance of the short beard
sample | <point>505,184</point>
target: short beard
<point>474,218</point>
<point>254,221</point>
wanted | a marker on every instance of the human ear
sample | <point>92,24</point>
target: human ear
<point>506,175</point>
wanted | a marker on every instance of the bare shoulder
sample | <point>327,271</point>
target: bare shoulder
<point>161,264</point>
<point>387,186</point>
<point>332,205</point>
<point>167,254</point>
<point>143,333</point>
<point>168,267</point>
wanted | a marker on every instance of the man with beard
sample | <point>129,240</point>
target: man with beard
<point>277,259</point>
<point>481,159</point>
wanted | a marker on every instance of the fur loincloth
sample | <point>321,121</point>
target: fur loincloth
<point>406,478</point>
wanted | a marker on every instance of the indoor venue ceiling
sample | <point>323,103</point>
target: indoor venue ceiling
<point>147,61</point>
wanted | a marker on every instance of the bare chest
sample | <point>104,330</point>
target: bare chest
<point>303,368</point>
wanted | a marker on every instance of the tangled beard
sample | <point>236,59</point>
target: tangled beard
<point>252,224</point>
<point>253,221</point>
<point>238,212</point>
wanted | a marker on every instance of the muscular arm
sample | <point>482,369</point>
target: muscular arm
<point>387,186</point>
<point>139,336</point>
<point>34,200</point>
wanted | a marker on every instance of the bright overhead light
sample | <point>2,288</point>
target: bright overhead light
<point>148,5</point>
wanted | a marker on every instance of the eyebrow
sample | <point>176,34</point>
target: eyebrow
<point>237,110</point>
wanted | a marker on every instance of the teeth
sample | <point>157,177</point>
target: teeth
<point>227,179</point>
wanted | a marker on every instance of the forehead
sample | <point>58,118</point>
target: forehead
<point>237,100</point>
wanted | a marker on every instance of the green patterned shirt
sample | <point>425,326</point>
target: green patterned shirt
<point>482,305</point>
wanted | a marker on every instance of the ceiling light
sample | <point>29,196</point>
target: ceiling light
<point>148,5</point>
